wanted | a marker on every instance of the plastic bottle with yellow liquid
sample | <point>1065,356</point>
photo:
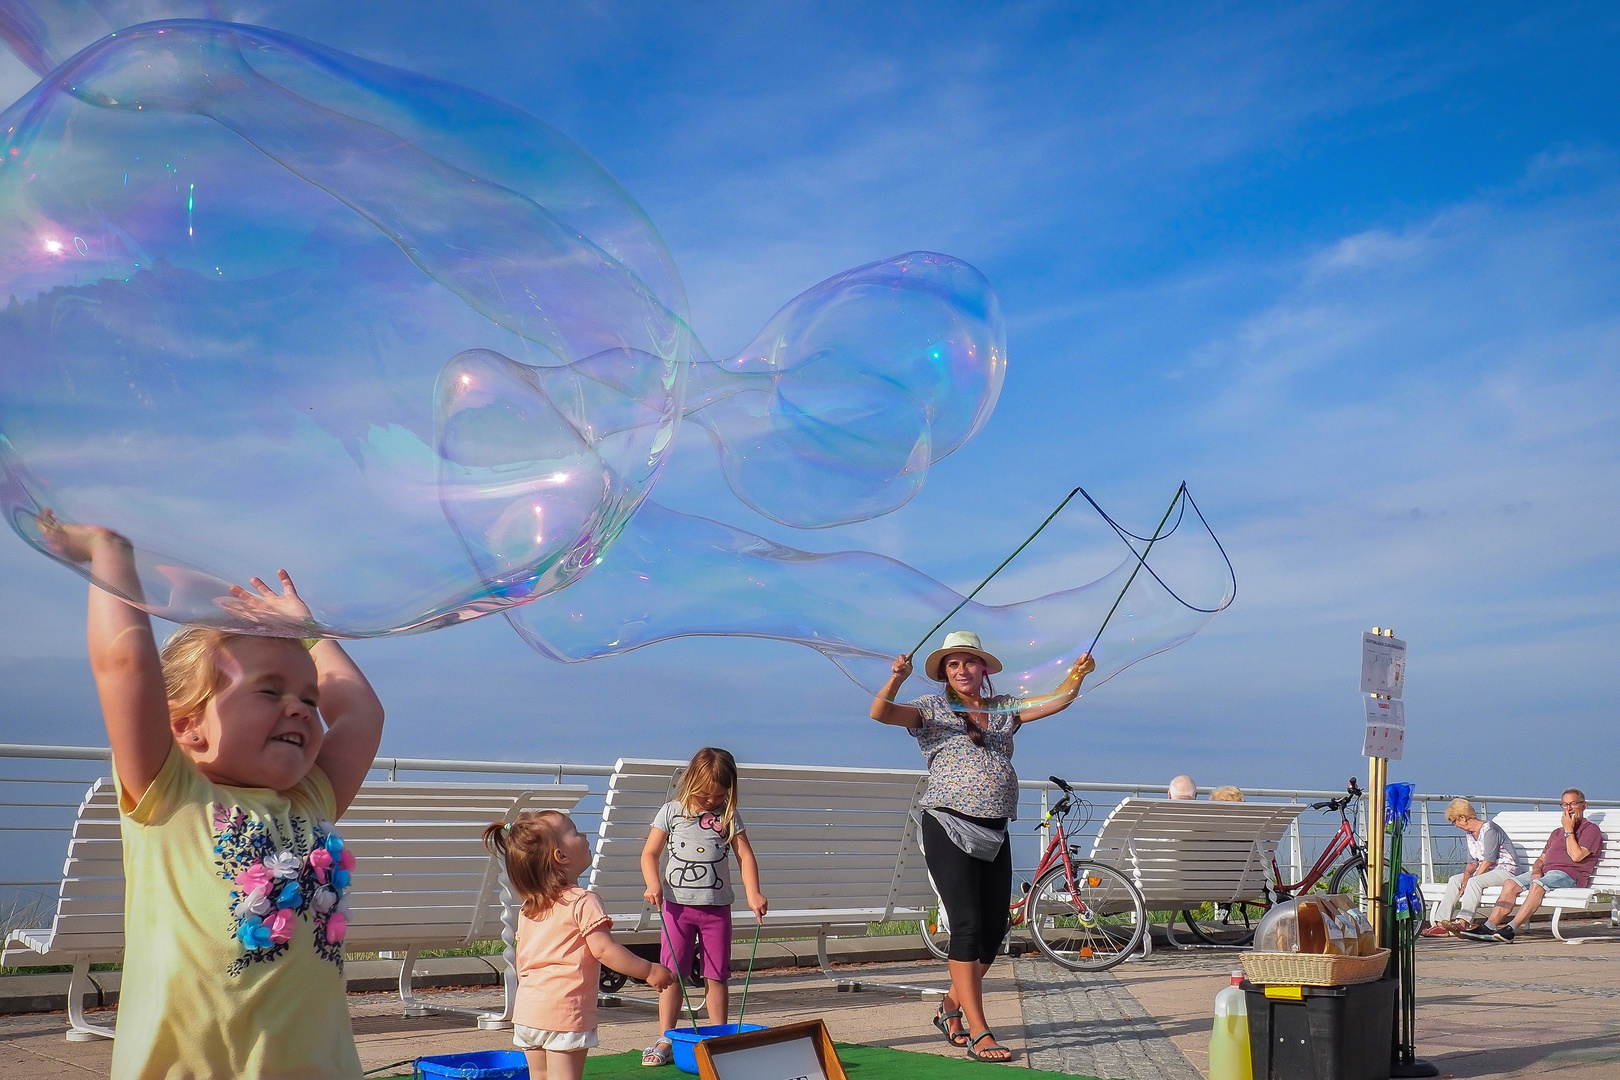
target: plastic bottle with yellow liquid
<point>1229,1038</point>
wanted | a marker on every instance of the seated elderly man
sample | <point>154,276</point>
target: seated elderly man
<point>1491,861</point>
<point>1572,853</point>
<point>1182,787</point>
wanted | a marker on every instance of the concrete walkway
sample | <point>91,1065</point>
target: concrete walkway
<point>1537,1008</point>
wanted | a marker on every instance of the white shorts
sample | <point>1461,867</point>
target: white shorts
<point>528,1038</point>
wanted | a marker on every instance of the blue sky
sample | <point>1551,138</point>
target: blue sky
<point>1349,271</point>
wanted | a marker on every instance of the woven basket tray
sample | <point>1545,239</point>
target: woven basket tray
<point>1313,969</point>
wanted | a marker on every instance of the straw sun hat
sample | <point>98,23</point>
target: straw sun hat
<point>959,641</point>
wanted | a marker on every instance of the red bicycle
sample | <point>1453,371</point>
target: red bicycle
<point>1235,925</point>
<point>1081,915</point>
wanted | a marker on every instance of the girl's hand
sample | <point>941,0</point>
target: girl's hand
<point>901,668</point>
<point>758,905</point>
<point>284,610</point>
<point>660,977</point>
<point>655,895</point>
<point>76,543</point>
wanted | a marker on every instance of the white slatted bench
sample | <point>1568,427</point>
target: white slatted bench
<point>423,880</point>
<point>1183,853</point>
<point>1528,830</point>
<point>837,849</point>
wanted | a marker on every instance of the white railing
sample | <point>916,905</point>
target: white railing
<point>40,789</point>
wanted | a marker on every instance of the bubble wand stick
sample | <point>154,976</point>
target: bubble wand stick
<point>998,570</point>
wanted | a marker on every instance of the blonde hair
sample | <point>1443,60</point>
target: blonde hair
<point>1460,810</point>
<point>1226,793</point>
<point>191,671</point>
<point>528,847</point>
<point>712,767</point>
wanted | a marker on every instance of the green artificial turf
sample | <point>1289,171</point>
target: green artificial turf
<point>860,1062</point>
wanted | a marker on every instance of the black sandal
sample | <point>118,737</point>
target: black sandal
<point>942,1019</point>
<point>973,1049</point>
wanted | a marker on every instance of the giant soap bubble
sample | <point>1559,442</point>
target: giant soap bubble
<point>677,575</point>
<point>272,305</point>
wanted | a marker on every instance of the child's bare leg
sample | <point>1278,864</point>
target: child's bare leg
<point>669,1008</point>
<point>562,1065</point>
<point>537,1064</point>
<point>718,1000</point>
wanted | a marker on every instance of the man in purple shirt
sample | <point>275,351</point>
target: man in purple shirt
<point>1572,854</point>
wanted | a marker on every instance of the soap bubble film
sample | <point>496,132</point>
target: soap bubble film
<point>676,575</point>
<point>835,411</point>
<point>272,305</point>
<point>240,266</point>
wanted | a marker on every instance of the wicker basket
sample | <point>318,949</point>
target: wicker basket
<point>1313,969</point>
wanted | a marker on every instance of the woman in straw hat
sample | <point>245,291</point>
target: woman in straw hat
<point>966,735</point>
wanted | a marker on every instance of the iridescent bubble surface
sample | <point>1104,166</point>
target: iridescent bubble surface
<point>835,411</point>
<point>272,305</point>
<point>676,575</point>
<point>245,270</point>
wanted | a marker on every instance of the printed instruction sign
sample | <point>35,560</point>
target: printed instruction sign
<point>1386,728</point>
<point>1383,665</point>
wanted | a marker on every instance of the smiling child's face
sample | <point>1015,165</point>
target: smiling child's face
<point>263,727</point>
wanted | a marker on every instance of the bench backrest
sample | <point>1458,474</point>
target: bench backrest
<point>1184,852</point>
<point>1528,831</point>
<point>833,845</point>
<point>422,875</point>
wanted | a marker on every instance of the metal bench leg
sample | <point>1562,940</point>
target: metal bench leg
<point>79,1029</point>
<point>850,986</point>
<point>415,1007</point>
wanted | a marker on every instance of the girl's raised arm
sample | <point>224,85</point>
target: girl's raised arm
<point>354,721</point>
<point>884,710</point>
<point>123,653</point>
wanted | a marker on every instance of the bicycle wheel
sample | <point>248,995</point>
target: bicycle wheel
<point>1236,929</point>
<point>936,933</point>
<point>1353,871</point>
<point>1092,927</point>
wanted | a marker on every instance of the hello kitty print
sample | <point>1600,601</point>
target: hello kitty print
<point>696,869</point>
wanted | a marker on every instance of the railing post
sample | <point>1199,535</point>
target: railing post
<point>393,769</point>
<point>1428,843</point>
<point>1045,839</point>
<point>1296,854</point>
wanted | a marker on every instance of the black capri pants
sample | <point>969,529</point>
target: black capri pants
<point>977,895</point>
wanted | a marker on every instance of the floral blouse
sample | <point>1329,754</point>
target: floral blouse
<point>974,780</point>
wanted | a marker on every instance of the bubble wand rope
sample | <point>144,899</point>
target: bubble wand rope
<point>993,573</point>
<point>759,924</point>
<point>1141,561</point>
<point>680,976</point>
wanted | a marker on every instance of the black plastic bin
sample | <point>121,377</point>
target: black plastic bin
<point>1332,1033</point>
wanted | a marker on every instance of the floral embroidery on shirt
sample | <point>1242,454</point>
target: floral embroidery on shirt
<point>279,882</point>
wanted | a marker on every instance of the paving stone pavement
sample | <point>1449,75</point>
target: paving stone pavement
<point>1090,1024</point>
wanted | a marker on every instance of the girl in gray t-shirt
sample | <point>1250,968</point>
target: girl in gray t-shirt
<point>692,835</point>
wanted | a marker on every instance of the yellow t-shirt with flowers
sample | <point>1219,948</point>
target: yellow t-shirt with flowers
<point>234,915</point>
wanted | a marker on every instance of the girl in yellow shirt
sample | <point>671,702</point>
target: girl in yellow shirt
<point>235,904</point>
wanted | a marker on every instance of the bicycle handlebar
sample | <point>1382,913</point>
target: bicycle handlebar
<point>1060,782</point>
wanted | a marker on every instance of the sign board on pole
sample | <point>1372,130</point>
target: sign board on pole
<point>1383,665</point>
<point>1386,728</point>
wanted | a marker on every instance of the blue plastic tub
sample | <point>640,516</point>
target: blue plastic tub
<point>686,1040</point>
<point>484,1065</point>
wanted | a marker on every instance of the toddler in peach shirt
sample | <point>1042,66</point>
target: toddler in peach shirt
<point>563,939</point>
